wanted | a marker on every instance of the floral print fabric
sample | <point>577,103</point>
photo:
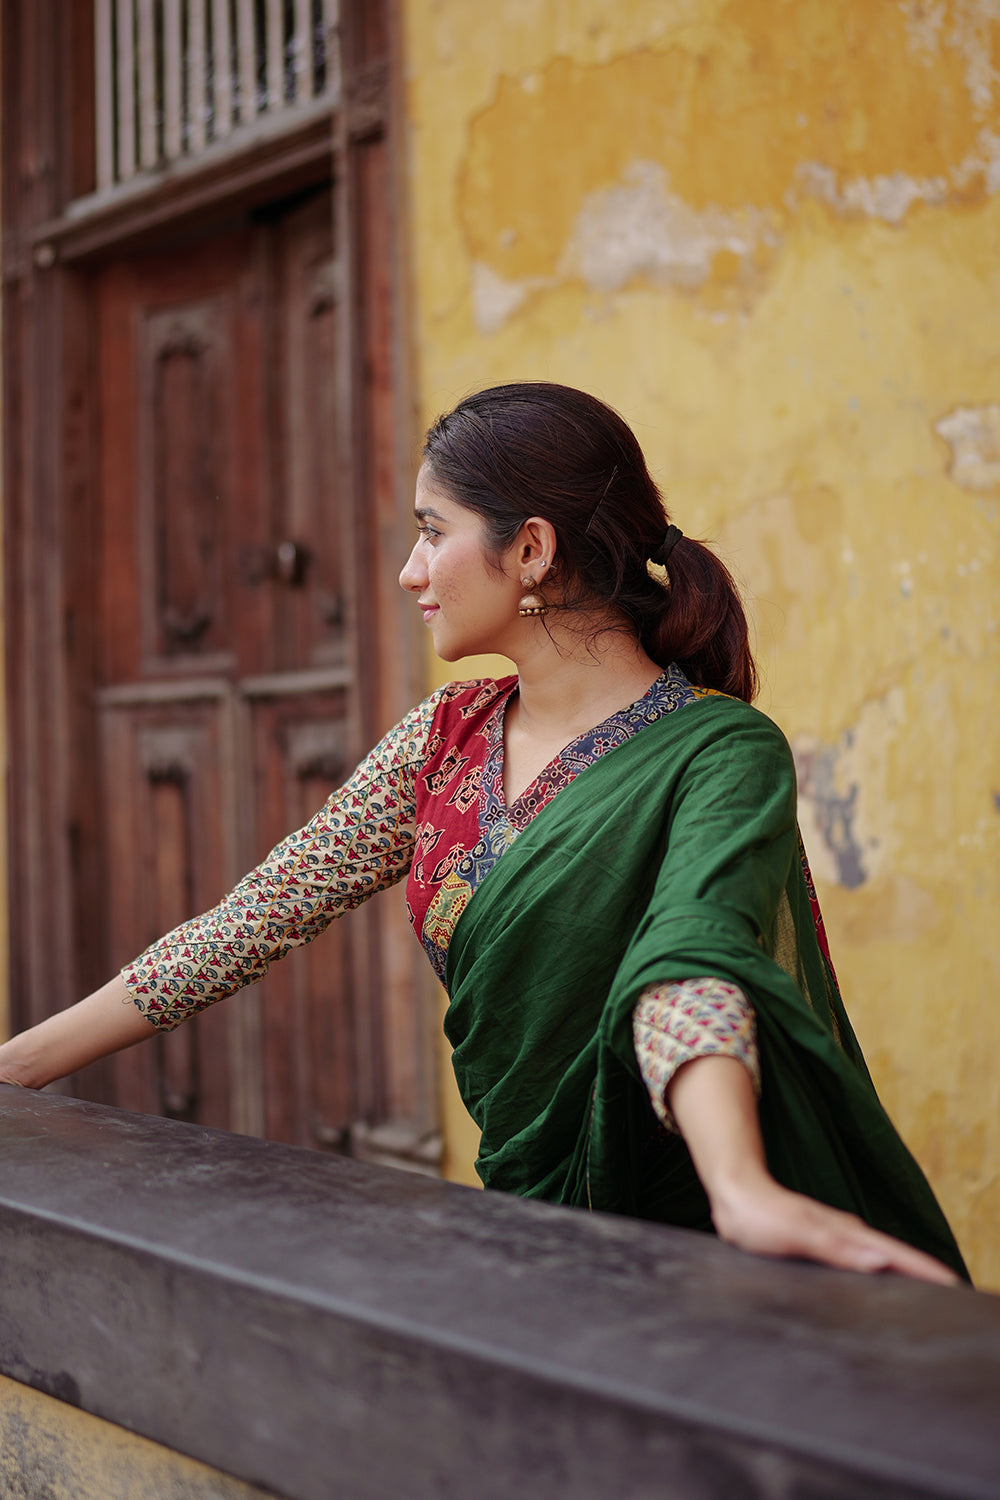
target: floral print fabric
<point>674,1023</point>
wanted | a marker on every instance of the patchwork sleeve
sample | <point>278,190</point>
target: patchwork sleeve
<point>687,1018</point>
<point>360,842</point>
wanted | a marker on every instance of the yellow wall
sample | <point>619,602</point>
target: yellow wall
<point>50,1448</point>
<point>768,231</point>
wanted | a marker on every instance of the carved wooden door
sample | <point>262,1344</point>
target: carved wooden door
<point>225,660</point>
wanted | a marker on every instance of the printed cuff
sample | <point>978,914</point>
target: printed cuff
<point>687,1018</point>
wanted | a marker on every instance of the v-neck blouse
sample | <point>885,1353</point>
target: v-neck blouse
<point>464,823</point>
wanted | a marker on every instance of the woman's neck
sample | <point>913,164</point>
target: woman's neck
<point>568,683</point>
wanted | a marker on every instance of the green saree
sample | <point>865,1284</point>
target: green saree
<point>674,855</point>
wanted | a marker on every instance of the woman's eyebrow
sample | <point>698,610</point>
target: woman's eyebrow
<point>422,512</point>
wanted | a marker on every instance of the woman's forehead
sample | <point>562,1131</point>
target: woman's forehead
<point>430,497</point>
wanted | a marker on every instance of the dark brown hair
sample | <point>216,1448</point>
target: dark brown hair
<point>535,449</point>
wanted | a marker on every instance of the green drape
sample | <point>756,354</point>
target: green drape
<point>673,856</point>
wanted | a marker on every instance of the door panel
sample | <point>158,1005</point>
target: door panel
<point>312,1082</point>
<point>312,499</point>
<point>183,461</point>
<point>166,775</point>
<point>185,398</point>
<point>225,691</point>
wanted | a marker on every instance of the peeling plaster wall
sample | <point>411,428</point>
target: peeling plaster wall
<point>768,231</point>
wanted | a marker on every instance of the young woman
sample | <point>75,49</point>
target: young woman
<point>603,867</point>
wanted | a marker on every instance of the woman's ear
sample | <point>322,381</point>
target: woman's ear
<point>536,545</point>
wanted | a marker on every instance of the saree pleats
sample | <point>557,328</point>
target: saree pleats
<point>674,855</point>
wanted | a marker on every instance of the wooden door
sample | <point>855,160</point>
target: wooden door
<point>224,645</point>
<point>207,452</point>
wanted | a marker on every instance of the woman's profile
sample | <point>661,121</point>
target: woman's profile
<point>602,864</point>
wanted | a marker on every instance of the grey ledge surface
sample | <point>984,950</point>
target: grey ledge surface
<point>324,1328</point>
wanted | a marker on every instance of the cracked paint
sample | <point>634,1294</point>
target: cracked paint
<point>639,228</point>
<point>973,435</point>
<point>494,299</point>
<point>831,807</point>
<point>846,814</point>
<point>607,172</point>
<point>965,29</point>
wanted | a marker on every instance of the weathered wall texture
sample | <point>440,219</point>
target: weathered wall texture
<point>768,231</point>
<point>50,1450</point>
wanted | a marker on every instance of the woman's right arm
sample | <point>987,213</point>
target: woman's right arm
<point>105,1022</point>
<point>359,843</point>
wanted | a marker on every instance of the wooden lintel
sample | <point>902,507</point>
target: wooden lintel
<point>284,164</point>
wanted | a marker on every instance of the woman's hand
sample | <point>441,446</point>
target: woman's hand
<point>759,1215</point>
<point>712,1101</point>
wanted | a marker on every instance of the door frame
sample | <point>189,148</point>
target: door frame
<point>50,452</point>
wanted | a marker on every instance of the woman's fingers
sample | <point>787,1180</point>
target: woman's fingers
<point>856,1247</point>
<point>773,1221</point>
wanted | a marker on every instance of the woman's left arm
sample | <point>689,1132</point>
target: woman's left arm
<point>713,1103</point>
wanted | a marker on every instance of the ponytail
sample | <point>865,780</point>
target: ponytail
<point>700,623</point>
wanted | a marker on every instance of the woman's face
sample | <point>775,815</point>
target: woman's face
<point>469,607</point>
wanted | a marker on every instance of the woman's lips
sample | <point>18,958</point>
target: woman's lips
<point>428,611</point>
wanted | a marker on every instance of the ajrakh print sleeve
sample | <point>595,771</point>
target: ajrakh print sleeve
<point>360,842</point>
<point>688,1018</point>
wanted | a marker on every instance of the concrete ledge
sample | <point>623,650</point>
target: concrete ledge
<point>317,1327</point>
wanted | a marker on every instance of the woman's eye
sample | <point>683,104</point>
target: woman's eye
<point>427,531</point>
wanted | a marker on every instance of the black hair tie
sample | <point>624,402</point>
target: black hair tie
<point>671,537</point>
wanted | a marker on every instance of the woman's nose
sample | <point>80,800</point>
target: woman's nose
<point>413,576</point>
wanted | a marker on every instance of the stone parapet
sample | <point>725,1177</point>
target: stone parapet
<point>318,1327</point>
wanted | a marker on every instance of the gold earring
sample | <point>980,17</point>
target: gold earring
<point>531,603</point>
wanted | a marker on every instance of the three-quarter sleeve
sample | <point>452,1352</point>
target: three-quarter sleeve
<point>360,842</point>
<point>676,1022</point>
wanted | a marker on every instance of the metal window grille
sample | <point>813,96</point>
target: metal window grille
<point>174,77</point>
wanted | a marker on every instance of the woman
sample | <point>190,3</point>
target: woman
<point>603,867</point>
